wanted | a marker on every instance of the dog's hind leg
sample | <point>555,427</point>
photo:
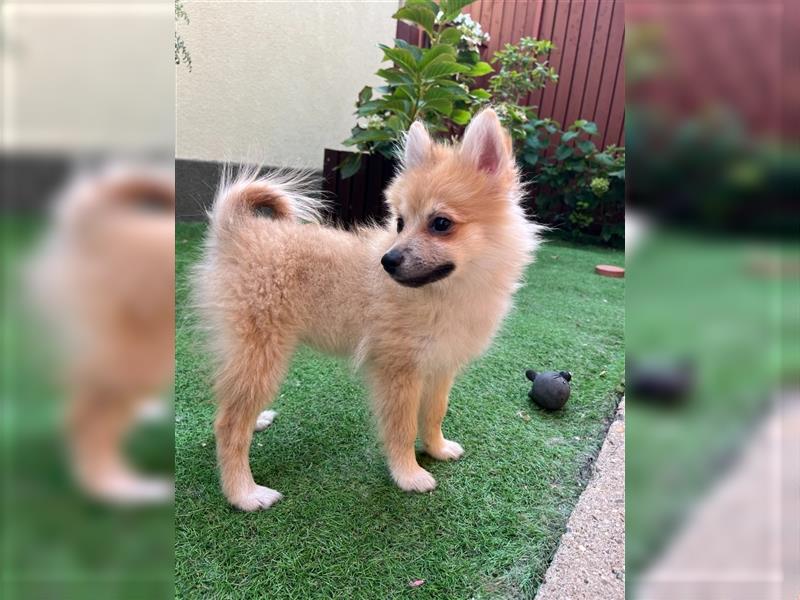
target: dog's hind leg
<point>396,394</point>
<point>248,381</point>
<point>98,420</point>
<point>432,410</point>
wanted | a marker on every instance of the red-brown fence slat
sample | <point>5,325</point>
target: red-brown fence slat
<point>588,35</point>
<point>613,55</point>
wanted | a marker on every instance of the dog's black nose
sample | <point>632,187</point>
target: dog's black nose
<point>391,260</point>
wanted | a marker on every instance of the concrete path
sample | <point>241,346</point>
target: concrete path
<point>590,561</point>
<point>742,542</point>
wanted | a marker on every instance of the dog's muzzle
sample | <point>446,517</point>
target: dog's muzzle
<point>436,274</point>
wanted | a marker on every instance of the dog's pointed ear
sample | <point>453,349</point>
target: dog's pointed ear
<point>418,145</point>
<point>486,145</point>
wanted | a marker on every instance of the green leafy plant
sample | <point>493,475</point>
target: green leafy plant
<point>182,55</point>
<point>432,84</point>
<point>577,187</point>
<point>522,68</point>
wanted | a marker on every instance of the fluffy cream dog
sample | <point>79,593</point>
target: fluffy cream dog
<point>103,284</point>
<point>412,302</point>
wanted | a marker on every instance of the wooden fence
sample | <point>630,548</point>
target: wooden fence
<point>730,55</point>
<point>589,37</point>
<point>357,199</point>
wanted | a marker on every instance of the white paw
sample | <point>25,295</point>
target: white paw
<point>264,420</point>
<point>418,480</point>
<point>449,450</point>
<point>128,488</point>
<point>258,498</point>
<point>152,410</point>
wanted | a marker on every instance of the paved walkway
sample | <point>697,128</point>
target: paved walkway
<point>590,562</point>
<point>741,541</point>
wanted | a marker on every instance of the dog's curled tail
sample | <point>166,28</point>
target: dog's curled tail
<point>282,194</point>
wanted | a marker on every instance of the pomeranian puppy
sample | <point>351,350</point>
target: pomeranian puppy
<point>411,302</point>
<point>103,281</point>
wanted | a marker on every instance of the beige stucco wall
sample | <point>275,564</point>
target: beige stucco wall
<point>276,82</point>
<point>87,76</point>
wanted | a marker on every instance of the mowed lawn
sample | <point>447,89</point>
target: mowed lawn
<point>699,298</point>
<point>343,530</point>
<point>56,542</point>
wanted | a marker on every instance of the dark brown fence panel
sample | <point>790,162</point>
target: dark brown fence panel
<point>357,199</point>
<point>589,36</point>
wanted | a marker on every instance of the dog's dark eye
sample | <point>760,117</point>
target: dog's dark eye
<point>441,224</point>
<point>400,224</point>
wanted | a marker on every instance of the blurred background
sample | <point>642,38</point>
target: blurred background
<point>711,88</point>
<point>713,300</point>
<point>87,133</point>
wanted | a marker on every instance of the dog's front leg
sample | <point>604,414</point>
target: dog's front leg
<point>432,409</point>
<point>397,392</point>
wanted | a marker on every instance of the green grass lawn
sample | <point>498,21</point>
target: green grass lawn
<point>343,529</point>
<point>696,297</point>
<point>55,542</point>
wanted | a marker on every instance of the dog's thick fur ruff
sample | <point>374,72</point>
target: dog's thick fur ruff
<point>267,284</point>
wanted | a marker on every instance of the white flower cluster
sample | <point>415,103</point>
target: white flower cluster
<point>508,113</point>
<point>375,122</point>
<point>472,34</point>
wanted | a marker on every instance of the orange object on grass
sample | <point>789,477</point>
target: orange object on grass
<point>609,271</point>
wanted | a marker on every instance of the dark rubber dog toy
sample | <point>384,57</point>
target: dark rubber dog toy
<point>550,389</point>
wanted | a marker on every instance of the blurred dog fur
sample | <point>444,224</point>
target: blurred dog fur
<point>103,282</point>
<point>412,302</point>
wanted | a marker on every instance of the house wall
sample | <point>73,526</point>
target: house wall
<point>276,82</point>
<point>86,77</point>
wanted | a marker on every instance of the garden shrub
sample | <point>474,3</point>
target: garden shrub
<point>432,84</point>
<point>575,187</point>
<point>522,68</point>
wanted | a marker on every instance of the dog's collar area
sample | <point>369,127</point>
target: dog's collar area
<point>437,274</point>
